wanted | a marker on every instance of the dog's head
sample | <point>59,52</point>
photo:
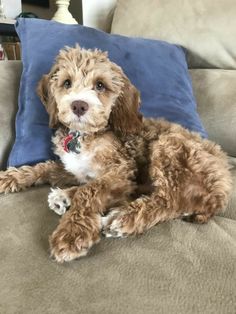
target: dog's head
<point>86,91</point>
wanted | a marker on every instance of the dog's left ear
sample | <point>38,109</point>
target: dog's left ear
<point>125,117</point>
<point>45,94</point>
<point>42,89</point>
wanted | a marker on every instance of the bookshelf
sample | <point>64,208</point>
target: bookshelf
<point>9,40</point>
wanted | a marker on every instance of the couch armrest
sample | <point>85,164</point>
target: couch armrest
<point>10,72</point>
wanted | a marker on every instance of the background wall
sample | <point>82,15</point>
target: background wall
<point>98,14</point>
<point>11,7</point>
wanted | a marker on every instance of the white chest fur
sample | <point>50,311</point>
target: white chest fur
<point>89,163</point>
<point>81,165</point>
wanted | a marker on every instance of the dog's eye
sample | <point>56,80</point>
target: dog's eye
<point>67,84</point>
<point>100,86</point>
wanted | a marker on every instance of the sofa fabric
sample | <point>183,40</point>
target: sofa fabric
<point>10,73</point>
<point>176,267</point>
<point>215,92</point>
<point>230,211</point>
<point>206,28</point>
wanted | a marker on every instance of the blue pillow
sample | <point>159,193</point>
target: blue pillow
<point>158,69</point>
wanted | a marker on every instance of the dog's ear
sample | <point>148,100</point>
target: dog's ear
<point>125,117</point>
<point>45,94</point>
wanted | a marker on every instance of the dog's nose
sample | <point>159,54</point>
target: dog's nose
<point>79,107</point>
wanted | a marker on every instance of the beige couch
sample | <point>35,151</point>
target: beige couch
<point>176,267</point>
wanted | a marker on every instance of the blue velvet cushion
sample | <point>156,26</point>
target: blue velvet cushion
<point>158,69</point>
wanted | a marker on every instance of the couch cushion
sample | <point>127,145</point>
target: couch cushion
<point>206,28</point>
<point>215,91</point>
<point>176,267</point>
<point>9,85</point>
<point>230,211</point>
<point>164,82</point>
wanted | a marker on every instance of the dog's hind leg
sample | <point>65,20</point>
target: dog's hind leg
<point>192,182</point>
<point>17,179</point>
<point>139,216</point>
<point>198,218</point>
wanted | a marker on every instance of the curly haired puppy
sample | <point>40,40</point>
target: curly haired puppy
<point>127,173</point>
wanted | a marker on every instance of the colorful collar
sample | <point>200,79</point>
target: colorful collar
<point>71,142</point>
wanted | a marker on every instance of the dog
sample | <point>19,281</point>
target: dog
<point>124,173</point>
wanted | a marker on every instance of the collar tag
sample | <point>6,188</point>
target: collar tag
<point>71,142</point>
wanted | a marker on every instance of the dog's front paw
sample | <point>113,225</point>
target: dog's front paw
<point>113,224</point>
<point>8,181</point>
<point>58,201</point>
<point>66,247</point>
<point>73,238</point>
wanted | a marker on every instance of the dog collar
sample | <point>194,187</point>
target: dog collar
<point>72,143</point>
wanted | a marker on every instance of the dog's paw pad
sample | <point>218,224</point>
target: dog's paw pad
<point>112,225</point>
<point>58,201</point>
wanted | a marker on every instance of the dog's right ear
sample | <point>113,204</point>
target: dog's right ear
<point>45,95</point>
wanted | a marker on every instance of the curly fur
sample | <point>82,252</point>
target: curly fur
<point>131,173</point>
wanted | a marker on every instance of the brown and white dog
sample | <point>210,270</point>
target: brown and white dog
<point>126,173</point>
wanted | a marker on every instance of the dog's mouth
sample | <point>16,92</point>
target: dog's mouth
<point>75,123</point>
<point>80,123</point>
<point>87,124</point>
